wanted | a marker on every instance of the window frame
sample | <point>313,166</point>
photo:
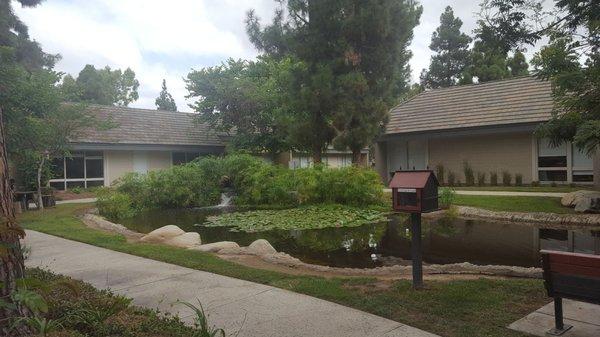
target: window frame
<point>64,180</point>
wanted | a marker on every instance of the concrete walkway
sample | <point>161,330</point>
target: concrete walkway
<point>584,317</point>
<point>252,309</point>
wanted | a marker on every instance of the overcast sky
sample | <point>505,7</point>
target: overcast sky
<point>165,39</point>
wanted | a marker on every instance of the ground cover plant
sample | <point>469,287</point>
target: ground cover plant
<point>475,307</point>
<point>513,203</point>
<point>305,217</point>
<point>69,308</point>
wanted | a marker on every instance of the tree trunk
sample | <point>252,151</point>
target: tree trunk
<point>12,267</point>
<point>317,155</point>
<point>356,157</point>
<point>40,199</point>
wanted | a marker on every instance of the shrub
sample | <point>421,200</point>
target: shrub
<point>493,178</point>
<point>506,178</point>
<point>469,175</point>
<point>451,178</point>
<point>480,178</point>
<point>114,205</point>
<point>518,179</point>
<point>535,183</point>
<point>446,197</point>
<point>440,173</point>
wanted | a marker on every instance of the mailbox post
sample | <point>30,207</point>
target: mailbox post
<point>415,192</point>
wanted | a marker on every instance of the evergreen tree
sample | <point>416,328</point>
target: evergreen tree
<point>165,101</point>
<point>101,86</point>
<point>347,63</point>
<point>518,64</point>
<point>452,53</point>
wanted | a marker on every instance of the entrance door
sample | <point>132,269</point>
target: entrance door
<point>140,162</point>
<point>417,154</point>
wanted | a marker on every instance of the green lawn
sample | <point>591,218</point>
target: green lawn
<point>555,189</point>
<point>481,307</point>
<point>513,204</point>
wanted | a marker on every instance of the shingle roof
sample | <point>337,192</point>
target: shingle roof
<point>513,101</point>
<point>145,126</point>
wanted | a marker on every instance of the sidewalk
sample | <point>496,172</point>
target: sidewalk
<point>252,309</point>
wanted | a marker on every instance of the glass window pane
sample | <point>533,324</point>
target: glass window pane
<point>555,161</point>
<point>58,185</point>
<point>546,150</point>
<point>95,183</point>
<point>191,156</point>
<point>94,168</point>
<point>72,184</point>
<point>178,158</point>
<point>580,159</point>
<point>583,176</point>
<point>57,168</point>
<point>553,175</point>
<point>74,167</point>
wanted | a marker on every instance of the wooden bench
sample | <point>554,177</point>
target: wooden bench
<point>573,276</point>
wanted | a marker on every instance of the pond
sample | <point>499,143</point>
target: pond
<point>444,241</point>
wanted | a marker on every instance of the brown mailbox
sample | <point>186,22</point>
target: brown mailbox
<point>414,191</point>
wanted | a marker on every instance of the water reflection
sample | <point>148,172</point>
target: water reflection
<point>444,240</point>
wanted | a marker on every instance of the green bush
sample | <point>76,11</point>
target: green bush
<point>493,178</point>
<point>114,205</point>
<point>506,178</point>
<point>255,182</point>
<point>469,175</point>
<point>451,178</point>
<point>518,179</point>
<point>446,197</point>
<point>480,178</point>
<point>440,173</point>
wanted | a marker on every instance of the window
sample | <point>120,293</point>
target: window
<point>179,158</point>
<point>552,161</point>
<point>81,169</point>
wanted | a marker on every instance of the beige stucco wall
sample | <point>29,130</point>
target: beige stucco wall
<point>117,163</point>
<point>485,153</point>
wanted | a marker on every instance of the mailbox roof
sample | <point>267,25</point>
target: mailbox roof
<point>411,179</point>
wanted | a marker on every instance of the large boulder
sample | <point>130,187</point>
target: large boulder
<point>261,247</point>
<point>162,234</point>
<point>583,201</point>
<point>216,246</point>
<point>185,240</point>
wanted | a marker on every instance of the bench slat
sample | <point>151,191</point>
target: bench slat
<point>575,287</point>
<point>570,269</point>
<point>585,260</point>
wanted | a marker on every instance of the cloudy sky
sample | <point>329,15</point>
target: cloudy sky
<point>165,39</point>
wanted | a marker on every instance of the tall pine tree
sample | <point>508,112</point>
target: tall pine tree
<point>452,53</point>
<point>165,101</point>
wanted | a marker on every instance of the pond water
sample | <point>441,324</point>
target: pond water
<point>444,241</point>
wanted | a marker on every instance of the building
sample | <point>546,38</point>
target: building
<point>142,140</point>
<point>490,126</point>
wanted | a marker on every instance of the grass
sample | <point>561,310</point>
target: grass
<point>555,189</point>
<point>479,307</point>
<point>513,203</point>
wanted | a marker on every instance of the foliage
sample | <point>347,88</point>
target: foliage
<point>494,178</point>
<point>165,101</point>
<point>201,322</point>
<point>306,217</point>
<point>513,203</point>
<point>480,178</point>
<point>336,87</point>
<point>469,175</point>
<point>506,178</point>
<point>452,53</point>
<point>255,181</point>
<point>446,197</point>
<point>440,173</point>
<point>114,205</point>
<point>101,86</point>
<point>518,179</point>
<point>452,178</point>
<point>243,99</point>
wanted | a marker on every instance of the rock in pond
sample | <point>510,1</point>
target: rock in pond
<point>160,235</point>
<point>173,236</point>
<point>261,247</point>
<point>583,201</point>
<point>216,246</point>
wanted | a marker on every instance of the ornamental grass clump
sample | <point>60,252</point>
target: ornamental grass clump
<point>469,175</point>
<point>440,173</point>
<point>506,178</point>
<point>494,178</point>
<point>480,178</point>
